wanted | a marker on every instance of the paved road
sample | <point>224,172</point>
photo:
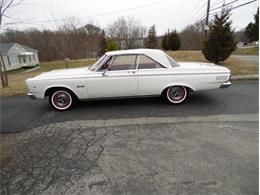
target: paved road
<point>20,113</point>
<point>248,58</point>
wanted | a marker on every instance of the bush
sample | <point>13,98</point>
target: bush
<point>103,43</point>
<point>111,45</point>
<point>220,42</point>
<point>151,39</point>
<point>171,41</point>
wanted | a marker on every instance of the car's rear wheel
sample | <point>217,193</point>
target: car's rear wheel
<point>176,94</point>
<point>61,99</point>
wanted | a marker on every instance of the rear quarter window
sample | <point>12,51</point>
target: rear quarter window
<point>147,63</point>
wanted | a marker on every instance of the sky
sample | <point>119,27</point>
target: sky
<point>164,14</point>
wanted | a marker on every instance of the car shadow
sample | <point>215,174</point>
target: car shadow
<point>194,99</point>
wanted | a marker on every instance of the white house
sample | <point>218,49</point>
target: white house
<point>14,56</point>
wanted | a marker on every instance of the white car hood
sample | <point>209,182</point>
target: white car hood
<point>61,73</point>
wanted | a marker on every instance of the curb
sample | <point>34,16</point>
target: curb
<point>244,77</point>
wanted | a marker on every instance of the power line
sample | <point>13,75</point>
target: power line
<point>217,3</point>
<point>106,13</point>
<point>196,11</point>
<point>199,18</point>
<point>203,15</point>
<point>224,5</point>
<point>241,5</point>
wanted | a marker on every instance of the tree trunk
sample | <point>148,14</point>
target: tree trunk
<point>4,78</point>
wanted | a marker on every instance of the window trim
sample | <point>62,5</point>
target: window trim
<point>113,58</point>
<point>137,66</point>
<point>101,63</point>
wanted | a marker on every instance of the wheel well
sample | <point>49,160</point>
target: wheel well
<point>50,90</point>
<point>188,89</point>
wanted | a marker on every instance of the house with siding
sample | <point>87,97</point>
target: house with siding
<point>15,56</point>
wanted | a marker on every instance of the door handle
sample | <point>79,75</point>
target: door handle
<point>133,71</point>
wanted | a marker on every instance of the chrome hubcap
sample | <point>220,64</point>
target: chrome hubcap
<point>62,99</point>
<point>176,93</point>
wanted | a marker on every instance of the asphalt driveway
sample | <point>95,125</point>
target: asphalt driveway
<point>21,113</point>
<point>209,145</point>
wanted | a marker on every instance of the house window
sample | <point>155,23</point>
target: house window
<point>13,60</point>
<point>8,61</point>
<point>30,58</point>
<point>34,57</point>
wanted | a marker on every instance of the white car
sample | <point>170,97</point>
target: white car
<point>128,73</point>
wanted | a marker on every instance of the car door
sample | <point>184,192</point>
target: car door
<point>115,78</point>
<point>151,76</point>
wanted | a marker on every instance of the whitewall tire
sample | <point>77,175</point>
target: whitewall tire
<point>176,94</point>
<point>61,99</point>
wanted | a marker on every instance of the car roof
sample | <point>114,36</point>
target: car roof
<point>156,54</point>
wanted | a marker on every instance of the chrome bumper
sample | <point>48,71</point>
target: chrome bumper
<point>31,96</point>
<point>225,85</point>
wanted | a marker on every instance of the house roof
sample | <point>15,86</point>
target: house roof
<point>28,49</point>
<point>6,47</point>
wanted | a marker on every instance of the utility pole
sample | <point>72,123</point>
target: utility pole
<point>206,26</point>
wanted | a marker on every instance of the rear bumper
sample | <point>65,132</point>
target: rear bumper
<point>225,85</point>
<point>31,96</point>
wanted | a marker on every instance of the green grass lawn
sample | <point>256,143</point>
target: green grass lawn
<point>47,66</point>
<point>247,51</point>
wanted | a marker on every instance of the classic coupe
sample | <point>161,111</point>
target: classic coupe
<point>128,73</point>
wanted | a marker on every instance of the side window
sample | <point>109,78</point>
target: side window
<point>123,62</point>
<point>147,63</point>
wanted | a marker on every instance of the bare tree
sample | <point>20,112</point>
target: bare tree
<point>92,37</point>
<point>67,41</point>
<point>5,5</point>
<point>77,42</point>
<point>128,32</point>
<point>191,38</point>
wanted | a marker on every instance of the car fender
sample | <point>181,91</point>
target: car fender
<point>61,86</point>
<point>179,84</point>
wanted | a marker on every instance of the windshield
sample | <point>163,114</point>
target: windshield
<point>172,61</point>
<point>98,62</point>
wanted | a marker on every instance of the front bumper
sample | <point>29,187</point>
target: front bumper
<point>225,85</point>
<point>31,96</point>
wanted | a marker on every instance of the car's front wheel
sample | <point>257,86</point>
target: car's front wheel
<point>61,99</point>
<point>176,94</point>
